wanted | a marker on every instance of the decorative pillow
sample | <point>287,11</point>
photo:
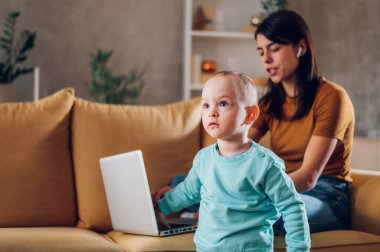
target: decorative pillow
<point>36,177</point>
<point>168,135</point>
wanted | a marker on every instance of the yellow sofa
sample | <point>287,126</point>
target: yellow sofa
<point>52,196</point>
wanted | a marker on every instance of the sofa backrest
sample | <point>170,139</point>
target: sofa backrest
<point>36,176</point>
<point>168,135</point>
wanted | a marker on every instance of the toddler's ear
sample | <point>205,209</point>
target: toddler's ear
<point>252,114</point>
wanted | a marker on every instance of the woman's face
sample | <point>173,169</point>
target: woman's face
<point>279,61</point>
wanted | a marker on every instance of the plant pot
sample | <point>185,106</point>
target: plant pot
<point>20,90</point>
<point>25,88</point>
<point>8,92</point>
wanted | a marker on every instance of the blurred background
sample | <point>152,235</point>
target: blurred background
<point>150,35</point>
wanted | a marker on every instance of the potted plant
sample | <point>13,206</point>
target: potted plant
<point>268,6</point>
<point>114,89</point>
<point>14,51</point>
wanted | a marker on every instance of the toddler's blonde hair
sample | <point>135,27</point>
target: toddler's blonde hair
<point>244,88</point>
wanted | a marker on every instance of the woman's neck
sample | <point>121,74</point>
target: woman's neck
<point>232,148</point>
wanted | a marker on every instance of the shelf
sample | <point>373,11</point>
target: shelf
<point>232,48</point>
<point>222,34</point>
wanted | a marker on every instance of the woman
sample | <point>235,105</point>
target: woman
<point>310,120</point>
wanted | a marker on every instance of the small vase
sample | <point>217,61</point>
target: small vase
<point>8,92</point>
<point>25,88</point>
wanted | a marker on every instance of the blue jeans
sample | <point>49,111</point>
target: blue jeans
<point>327,205</point>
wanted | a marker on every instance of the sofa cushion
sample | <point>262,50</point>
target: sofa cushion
<point>365,212</point>
<point>135,243</point>
<point>344,240</point>
<point>36,181</point>
<point>339,240</point>
<point>168,135</point>
<point>54,239</point>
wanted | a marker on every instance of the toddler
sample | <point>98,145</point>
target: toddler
<point>242,187</point>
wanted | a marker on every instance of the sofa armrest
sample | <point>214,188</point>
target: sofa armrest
<point>365,201</point>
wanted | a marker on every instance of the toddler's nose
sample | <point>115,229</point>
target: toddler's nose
<point>213,113</point>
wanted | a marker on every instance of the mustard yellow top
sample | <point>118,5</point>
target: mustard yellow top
<point>331,115</point>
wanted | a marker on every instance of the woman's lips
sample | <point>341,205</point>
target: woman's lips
<point>272,71</point>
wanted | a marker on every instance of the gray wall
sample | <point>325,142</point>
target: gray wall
<point>347,35</point>
<point>142,33</point>
<point>148,34</point>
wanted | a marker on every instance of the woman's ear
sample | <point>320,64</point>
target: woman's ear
<point>252,112</point>
<point>301,48</point>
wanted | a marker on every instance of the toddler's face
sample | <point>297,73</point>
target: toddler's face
<point>223,113</point>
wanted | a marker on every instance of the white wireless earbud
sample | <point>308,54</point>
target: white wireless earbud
<point>299,52</point>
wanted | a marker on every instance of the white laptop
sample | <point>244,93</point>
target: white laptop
<point>129,198</point>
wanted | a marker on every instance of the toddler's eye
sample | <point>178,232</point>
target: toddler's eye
<point>205,105</point>
<point>223,104</point>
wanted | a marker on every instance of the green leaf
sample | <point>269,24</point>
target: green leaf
<point>26,41</point>
<point>107,87</point>
<point>15,49</point>
<point>13,15</point>
<point>5,47</point>
<point>21,58</point>
<point>5,40</point>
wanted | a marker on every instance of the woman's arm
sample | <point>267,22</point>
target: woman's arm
<point>318,152</point>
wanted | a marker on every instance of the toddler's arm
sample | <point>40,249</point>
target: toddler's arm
<point>281,190</point>
<point>159,194</point>
<point>184,194</point>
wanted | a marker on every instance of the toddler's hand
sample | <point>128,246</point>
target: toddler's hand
<point>160,217</point>
<point>196,215</point>
<point>159,194</point>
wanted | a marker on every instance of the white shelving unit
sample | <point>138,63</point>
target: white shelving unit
<point>229,47</point>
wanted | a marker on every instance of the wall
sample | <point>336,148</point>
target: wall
<point>148,33</point>
<point>142,33</point>
<point>347,34</point>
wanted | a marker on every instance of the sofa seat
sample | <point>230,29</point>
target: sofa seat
<point>340,240</point>
<point>132,243</point>
<point>57,239</point>
<point>347,240</point>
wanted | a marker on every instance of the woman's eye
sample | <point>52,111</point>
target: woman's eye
<point>274,49</point>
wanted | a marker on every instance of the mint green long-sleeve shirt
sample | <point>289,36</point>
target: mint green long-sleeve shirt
<point>240,199</point>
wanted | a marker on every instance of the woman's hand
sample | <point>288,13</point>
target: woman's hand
<point>159,194</point>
